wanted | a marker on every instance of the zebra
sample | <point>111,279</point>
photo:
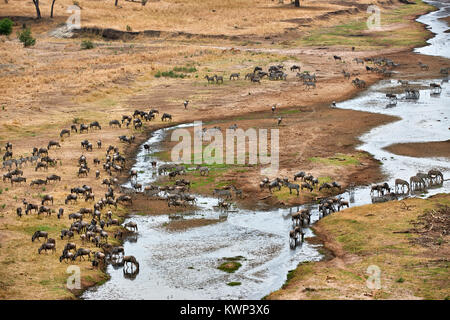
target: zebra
<point>218,78</point>
<point>210,79</point>
<point>292,186</point>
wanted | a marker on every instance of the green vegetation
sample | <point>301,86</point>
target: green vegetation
<point>26,38</point>
<point>233,283</point>
<point>356,33</point>
<point>86,45</point>
<point>229,266</point>
<point>339,159</point>
<point>176,72</point>
<point>6,26</point>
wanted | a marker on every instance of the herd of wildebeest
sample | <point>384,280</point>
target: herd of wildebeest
<point>96,230</point>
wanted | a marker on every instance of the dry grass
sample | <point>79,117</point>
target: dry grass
<point>228,17</point>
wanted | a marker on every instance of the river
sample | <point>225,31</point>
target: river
<point>183,264</point>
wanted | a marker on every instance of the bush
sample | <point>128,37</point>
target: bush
<point>87,44</point>
<point>6,26</point>
<point>26,38</point>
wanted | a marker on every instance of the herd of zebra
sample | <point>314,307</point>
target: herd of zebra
<point>309,183</point>
<point>418,183</point>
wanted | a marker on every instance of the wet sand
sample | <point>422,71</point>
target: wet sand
<point>422,149</point>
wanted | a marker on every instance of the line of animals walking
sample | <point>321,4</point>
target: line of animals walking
<point>418,183</point>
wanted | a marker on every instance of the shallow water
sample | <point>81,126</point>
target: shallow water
<point>183,264</point>
<point>438,45</point>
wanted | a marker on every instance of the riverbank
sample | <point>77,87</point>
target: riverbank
<point>117,78</point>
<point>402,240</point>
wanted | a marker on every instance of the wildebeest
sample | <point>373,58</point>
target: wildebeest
<point>166,116</point>
<point>38,182</point>
<point>53,177</point>
<point>116,123</point>
<point>47,246</point>
<point>71,197</point>
<point>84,127</point>
<point>66,255</point>
<point>64,132</point>
<point>66,233</point>
<point>18,180</point>
<point>81,253</point>
<point>47,198</point>
<point>60,213</point>
<point>38,235</point>
<point>95,125</point>
<point>41,165</point>
<point>31,206</point>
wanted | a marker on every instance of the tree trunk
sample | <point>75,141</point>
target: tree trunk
<point>51,12</point>
<point>116,3</point>
<point>297,3</point>
<point>38,11</point>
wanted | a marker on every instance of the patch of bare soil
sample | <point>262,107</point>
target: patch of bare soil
<point>422,149</point>
<point>432,226</point>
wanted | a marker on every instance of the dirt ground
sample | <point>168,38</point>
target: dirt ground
<point>48,87</point>
<point>422,150</point>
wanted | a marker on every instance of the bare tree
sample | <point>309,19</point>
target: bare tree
<point>38,11</point>
<point>51,12</point>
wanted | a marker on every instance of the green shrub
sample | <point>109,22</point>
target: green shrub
<point>26,38</point>
<point>87,44</point>
<point>6,26</point>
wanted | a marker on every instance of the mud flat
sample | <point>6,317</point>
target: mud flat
<point>435,149</point>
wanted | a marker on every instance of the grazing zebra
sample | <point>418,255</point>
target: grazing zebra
<point>346,74</point>
<point>292,186</point>
<point>218,78</point>
<point>210,79</point>
<point>300,175</point>
<point>309,84</point>
<point>234,76</point>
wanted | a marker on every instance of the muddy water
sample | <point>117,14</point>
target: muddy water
<point>183,264</point>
